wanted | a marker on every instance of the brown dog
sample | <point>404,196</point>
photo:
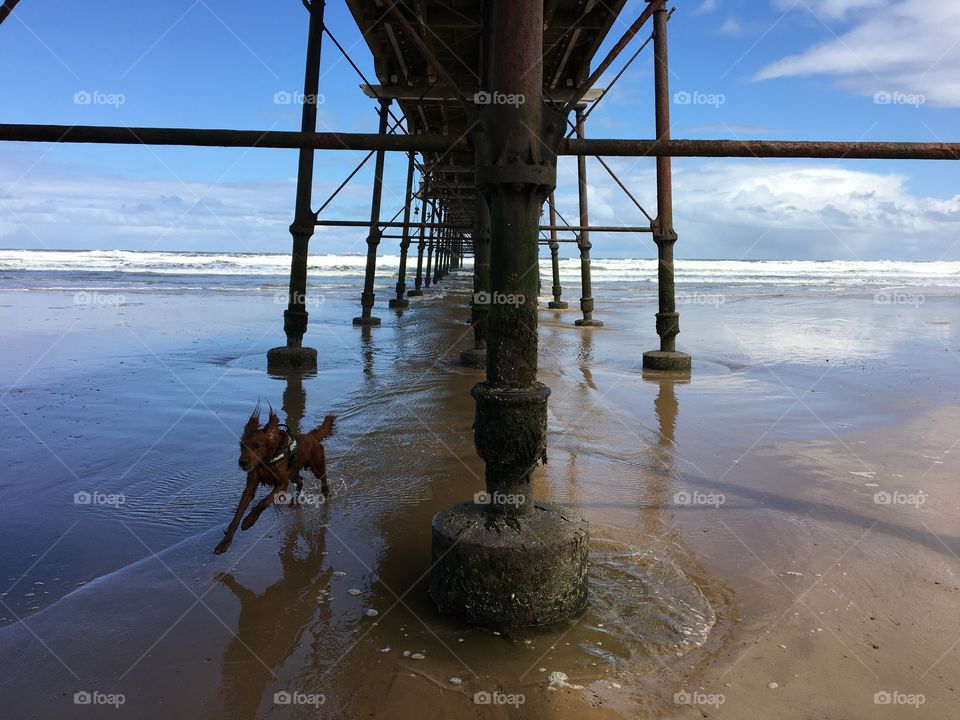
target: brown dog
<point>272,456</point>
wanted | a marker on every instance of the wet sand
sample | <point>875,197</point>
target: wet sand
<point>743,564</point>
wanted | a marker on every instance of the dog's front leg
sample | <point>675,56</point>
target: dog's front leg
<point>245,499</point>
<point>250,519</point>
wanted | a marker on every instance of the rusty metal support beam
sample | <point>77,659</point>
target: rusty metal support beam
<point>367,297</point>
<point>668,319</point>
<point>813,149</point>
<point>400,302</point>
<point>557,303</point>
<point>421,244</point>
<point>7,8</point>
<point>586,283</point>
<point>302,228</point>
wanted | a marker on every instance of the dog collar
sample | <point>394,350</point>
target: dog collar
<point>288,452</point>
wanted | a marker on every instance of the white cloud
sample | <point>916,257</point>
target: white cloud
<point>908,46</point>
<point>779,209</point>
<point>707,6</point>
<point>730,27</point>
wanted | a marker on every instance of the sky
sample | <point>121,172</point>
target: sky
<point>740,69</point>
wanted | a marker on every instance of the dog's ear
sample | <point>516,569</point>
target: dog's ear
<point>273,423</point>
<point>253,423</point>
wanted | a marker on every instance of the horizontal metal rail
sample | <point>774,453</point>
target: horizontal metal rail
<point>441,143</point>
<point>469,228</point>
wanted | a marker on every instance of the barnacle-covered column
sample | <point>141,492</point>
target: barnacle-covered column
<point>507,559</point>
<point>476,357</point>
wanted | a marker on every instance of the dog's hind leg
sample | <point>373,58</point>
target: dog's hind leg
<point>248,492</point>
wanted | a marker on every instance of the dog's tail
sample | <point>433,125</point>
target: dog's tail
<point>326,429</point>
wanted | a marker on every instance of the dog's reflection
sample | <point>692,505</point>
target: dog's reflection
<point>274,623</point>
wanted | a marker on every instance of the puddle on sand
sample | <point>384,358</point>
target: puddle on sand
<point>643,613</point>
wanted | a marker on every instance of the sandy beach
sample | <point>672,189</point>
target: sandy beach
<point>774,536</point>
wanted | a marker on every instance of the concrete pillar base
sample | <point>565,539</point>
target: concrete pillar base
<point>291,358</point>
<point>666,360</point>
<point>366,321</point>
<point>500,572</point>
<point>474,358</point>
<point>399,303</point>
<point>588,323</point>
<point>415,293</point>
<point>554,305</point>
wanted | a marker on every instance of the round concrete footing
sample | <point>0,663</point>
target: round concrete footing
<point>588,323</point>
<point>553,305</point>
<point>667,360</point>
<point>366,321</point>
<point>474,358</point>
<point>399,303</point>
<point>528,570</point>
<point>415,293</point>
<point>291,358</point>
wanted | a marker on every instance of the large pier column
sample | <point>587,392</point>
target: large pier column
<point>507,559</point>
<point>400,301</point>
<point>668,319</point>
<point>421,245</point>
<point>586,300</point>
<point>293,354</point>
<point>476,357</point>
<point>557,303</point>
<point>373,239</point>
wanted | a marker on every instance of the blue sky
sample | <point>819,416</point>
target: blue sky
<point>768,69</point>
